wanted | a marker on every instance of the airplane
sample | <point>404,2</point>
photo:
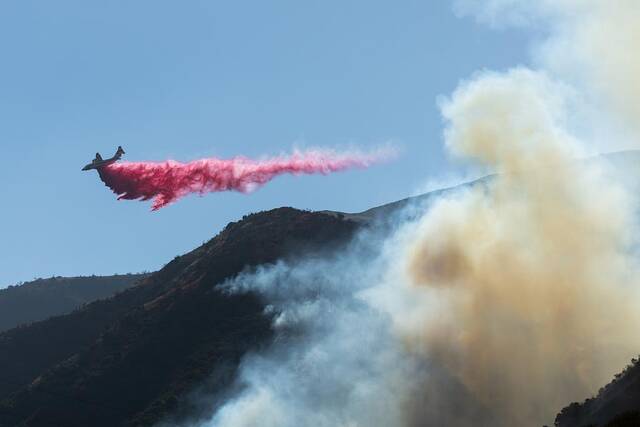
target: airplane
<point>98,162</point>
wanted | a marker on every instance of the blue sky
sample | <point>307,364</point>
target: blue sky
<point>190,79</point>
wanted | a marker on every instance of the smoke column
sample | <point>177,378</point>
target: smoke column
<point>535,275</point>
<point>165,182</point>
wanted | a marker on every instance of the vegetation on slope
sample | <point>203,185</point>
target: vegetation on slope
<point>43,298</point>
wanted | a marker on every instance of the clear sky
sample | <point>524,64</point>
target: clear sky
<point>189,79</point>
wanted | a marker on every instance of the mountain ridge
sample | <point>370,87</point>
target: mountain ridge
<point>42,298</point>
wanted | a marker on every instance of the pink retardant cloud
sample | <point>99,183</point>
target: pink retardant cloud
<point>167,181</point>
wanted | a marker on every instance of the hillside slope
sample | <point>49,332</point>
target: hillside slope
<point>130,359</point>
<point>616,405</point>
<point>43,298</point>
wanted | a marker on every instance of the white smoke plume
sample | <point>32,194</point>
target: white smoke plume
<point>502,302</point>
<point>591,43</point>
<point>337,360</point>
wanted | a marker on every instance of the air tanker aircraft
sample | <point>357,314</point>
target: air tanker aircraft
<point>98,162</point>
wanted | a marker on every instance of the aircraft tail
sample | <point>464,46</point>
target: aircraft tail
<point>119,152</point>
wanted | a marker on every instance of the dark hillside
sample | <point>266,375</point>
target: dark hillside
<point>43,298</point>
<point>128,360</point>
<point>616,405</point>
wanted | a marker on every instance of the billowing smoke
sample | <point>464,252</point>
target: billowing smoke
<point>537,288</point>
<point>165,182</point>
<point>338,361</point>
<point>591,43</point>
<point>503,301</point>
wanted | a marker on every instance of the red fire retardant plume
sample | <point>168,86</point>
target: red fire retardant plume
<point>166,182</point>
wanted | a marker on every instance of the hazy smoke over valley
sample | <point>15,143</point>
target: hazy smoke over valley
<point>502,302</point>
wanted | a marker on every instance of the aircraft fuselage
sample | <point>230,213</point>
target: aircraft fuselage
<point>98,162</point>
